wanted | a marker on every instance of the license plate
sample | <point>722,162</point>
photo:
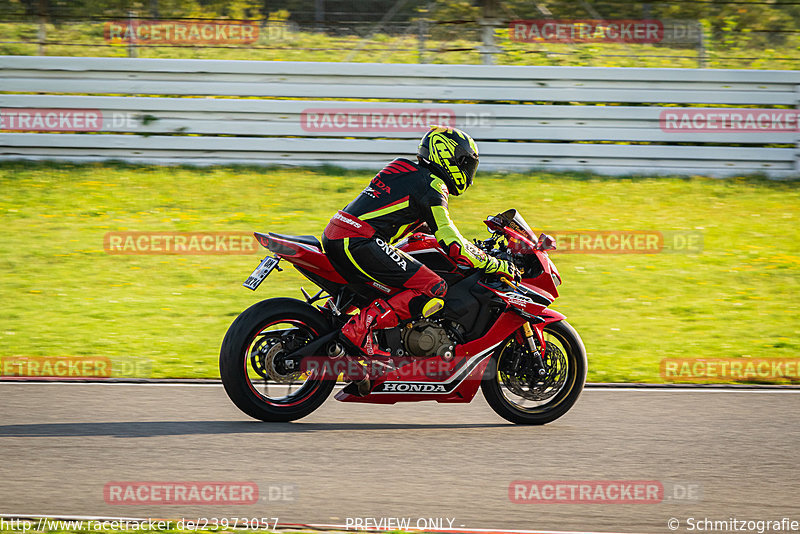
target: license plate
<point>264,268</point>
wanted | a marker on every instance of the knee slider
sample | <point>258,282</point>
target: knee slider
<point>432,306</point>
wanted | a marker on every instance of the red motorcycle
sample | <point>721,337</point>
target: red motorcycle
<point>281,357</point>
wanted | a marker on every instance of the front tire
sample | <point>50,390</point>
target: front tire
<point>249,360</point>
<point>509,392</point>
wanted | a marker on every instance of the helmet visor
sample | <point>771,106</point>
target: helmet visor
<point>468,164</point>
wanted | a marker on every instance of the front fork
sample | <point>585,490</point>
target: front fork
<point>532,341</point>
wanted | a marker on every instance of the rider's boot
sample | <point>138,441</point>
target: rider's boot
<point>360,329</point>
<point>360,332</point>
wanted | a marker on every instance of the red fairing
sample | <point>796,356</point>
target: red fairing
<point>518,243</point>
<point>551,316</point>
<point>545,280</point>
<point>308,257</point>
<point>542,284</point>
<point>505,325</point>
<point>535,284</point>
<point>421,242</point>
<point>438,380</point>
<point>418,242</point>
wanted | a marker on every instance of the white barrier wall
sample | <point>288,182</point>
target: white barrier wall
<point>357,115</point>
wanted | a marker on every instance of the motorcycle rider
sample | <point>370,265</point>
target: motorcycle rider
<point>400,199</point>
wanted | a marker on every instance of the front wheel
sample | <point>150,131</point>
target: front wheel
<point>514,388</point>
<point>254,371</point>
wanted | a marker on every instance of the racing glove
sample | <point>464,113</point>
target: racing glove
<point>503,268</point>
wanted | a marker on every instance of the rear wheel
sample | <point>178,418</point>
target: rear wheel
<point>256,376</point>
<point>515,389</point>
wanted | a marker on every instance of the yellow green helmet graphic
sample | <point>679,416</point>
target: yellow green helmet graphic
<point>451,155</point>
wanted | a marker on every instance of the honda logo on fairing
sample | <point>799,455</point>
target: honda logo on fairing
<point>519,300</point>
<point>448,386</point>
<point>413,387</point>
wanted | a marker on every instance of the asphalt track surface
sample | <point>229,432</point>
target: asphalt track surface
<point>62,443</point>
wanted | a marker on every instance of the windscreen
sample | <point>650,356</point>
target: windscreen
<point>516,222</point>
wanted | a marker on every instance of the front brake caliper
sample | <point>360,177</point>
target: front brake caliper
<point>539,366</point>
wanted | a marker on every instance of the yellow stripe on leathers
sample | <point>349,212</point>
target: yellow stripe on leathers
<point>384,211</point>
<point>353,261</point>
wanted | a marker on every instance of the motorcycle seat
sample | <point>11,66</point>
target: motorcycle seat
<point>304,239</point>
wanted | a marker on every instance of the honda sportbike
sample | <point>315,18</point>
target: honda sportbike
<point>282,357</point>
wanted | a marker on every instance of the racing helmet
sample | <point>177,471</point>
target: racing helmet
<point>451,155</point>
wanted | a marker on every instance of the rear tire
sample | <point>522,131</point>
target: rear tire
<point>574,356</point>
<point>244,344</point>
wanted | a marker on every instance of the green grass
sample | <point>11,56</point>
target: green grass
<point>63,295</point>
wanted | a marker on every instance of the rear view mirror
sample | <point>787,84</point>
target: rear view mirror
<point>495,224</point>
<point>546,242</point>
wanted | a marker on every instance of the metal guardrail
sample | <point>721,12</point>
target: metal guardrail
<point>356,115</point>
